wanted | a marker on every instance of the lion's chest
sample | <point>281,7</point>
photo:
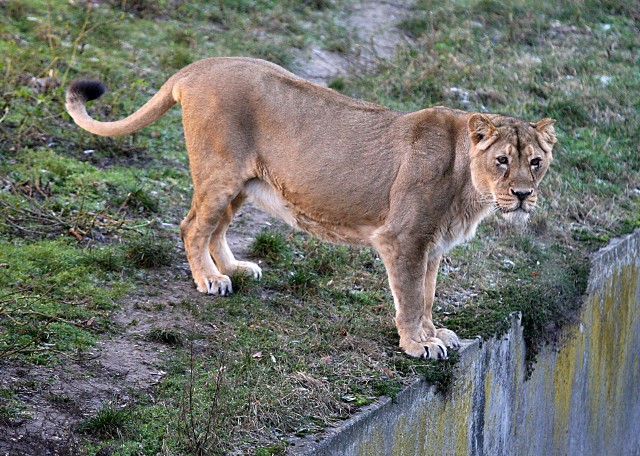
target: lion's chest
<point>457,230</point>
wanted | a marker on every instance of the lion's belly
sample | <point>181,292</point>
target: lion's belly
<point>265,196</point>
<point>261,194</point>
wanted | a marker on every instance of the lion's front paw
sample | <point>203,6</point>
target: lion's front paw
<point>432,348</point>
<point>448,337</point>
<point>249,268</point>
<point>215,284</point>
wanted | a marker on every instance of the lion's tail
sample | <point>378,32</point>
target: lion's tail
<point>84,90</point>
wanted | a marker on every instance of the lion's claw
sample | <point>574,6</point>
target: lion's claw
<point>432,348</point>
<point>216,285</point>
<point>440,353</point>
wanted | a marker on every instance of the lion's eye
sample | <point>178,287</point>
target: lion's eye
<point>536,162</point>
<point>502,160</point>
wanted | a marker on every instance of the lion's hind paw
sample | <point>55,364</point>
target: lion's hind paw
<point>249,268</point>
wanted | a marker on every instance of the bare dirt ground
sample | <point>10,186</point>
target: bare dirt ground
<point>125,364</point>
<point>375,34</point>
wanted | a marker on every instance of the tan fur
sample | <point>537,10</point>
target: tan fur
<point>410,185</point>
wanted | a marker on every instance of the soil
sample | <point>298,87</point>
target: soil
<point>125,364</point>
<point>376,36</point>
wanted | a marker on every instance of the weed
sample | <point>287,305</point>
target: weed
<point>337,84</point>
<point>416,25</point>
<point>107,259</point>
<point>271,450</point>
<point>243,282</point>
<point>203,417</point>
<point>384,387</point>
<point>271,246</point>
<point>61,399</point>
<point>149,252</point>
<point>572,112</point>
<point>319,4</point>
<point>141,8</point>
<point>301,282</point>
<point>24,325</point>
<point>138,199</point>
<point>338,38</point>
<point>166,336</point>
<point>589,238</point>
<point>441,373</point>
<point>327,260</point>
<point>10,406</point>
<point>110,421</point>
<point>548,307</point>
<point>177,58</point>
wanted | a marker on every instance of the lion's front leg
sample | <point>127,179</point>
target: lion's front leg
<point>406,268</point>
<point>449,338</point>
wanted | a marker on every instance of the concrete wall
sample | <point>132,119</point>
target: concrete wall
<point>581,399</point>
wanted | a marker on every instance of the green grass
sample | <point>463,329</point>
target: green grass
<point>271,246</point>
<point>166,336</point>
<point>111,421</point>
<point>11,407</point>
<point>86,220</point>
<point>148,252</point>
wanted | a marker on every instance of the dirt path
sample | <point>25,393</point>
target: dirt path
<point>376,37</point>
<point>126,364</point>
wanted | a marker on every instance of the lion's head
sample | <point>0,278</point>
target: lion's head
<point>509,157</point>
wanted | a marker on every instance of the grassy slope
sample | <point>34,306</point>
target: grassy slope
<point>315,337</point>
<point>61,183</point>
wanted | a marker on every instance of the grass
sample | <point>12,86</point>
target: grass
<point>166,336</point>
<point>147,252</point>
<point>110,421</point>
<point>271,246</point>
<point>86,220</point>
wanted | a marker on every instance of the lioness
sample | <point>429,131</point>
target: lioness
<point>410,185</point>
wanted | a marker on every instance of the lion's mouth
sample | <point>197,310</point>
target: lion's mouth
<point>515,206</point>
<point>519,208</point>
<point>518,215</point>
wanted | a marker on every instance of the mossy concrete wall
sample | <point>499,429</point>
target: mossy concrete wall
<point>582,398</point>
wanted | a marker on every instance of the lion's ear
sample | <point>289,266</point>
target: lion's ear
<point>546,134</point>
<point>481,131</point>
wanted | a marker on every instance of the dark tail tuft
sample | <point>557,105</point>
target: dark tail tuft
<point>86,89</point>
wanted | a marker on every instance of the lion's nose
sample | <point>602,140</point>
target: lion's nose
<point>521,194</point>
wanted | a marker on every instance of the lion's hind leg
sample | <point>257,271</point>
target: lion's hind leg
<point>209,209</point>
<point>219,248</point>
